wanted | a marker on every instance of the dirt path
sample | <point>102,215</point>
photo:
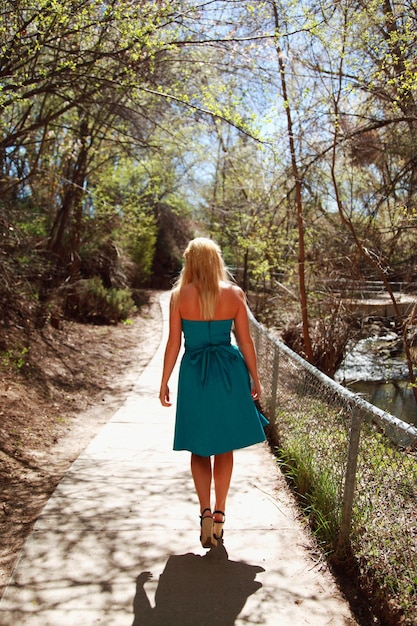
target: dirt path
<point>54,398</point>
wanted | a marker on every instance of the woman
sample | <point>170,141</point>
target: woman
<point>216,413</point>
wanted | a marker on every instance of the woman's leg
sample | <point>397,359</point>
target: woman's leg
<point>222,473</point>
<point>202,474</point>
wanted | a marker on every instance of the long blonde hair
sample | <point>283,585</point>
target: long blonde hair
<point>205,268</point>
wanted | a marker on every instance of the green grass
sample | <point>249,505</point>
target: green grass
<point>16,358</point>
<point>312,452</point>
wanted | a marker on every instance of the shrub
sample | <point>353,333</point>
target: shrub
<point>89,301</point>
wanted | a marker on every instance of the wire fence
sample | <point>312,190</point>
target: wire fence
<point>354,467</point>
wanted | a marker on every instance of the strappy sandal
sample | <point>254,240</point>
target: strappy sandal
<point>206,536</point>
<point>218,526</point>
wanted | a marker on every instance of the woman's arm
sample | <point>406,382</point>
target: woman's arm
<point>246,345</point>
<point>171,351</point>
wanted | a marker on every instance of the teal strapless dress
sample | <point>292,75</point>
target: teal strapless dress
<point>215,410</point>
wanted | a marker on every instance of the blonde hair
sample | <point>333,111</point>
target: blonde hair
<point>205,268</point>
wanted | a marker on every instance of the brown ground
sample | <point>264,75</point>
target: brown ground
<point>53,401</point>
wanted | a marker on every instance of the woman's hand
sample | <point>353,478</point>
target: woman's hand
<point>256,390</point>
<point>164,396</point>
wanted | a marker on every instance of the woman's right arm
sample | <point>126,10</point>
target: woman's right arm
<point>245,343</point>
<point>171,351</point>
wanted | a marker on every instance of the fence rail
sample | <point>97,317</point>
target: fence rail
<point>365,456</point>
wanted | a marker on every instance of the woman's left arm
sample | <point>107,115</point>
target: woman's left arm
<point>171,351</point>
<point>246,345</point>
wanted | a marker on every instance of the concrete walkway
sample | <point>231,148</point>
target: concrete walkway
<point>117,543</point>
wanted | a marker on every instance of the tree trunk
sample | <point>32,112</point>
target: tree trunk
<point>299,202</point>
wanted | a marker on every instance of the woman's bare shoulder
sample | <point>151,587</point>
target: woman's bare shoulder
<point>231,300</point>
<point>232,291</point>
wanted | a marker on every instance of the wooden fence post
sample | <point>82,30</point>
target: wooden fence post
<point>350,481</point>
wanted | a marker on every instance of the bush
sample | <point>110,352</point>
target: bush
<point>89,301</point>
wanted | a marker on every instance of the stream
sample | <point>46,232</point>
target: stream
<point>376,369</point>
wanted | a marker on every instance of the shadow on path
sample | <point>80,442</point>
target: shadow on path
<point>193,589</point>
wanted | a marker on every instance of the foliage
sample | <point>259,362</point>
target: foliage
<point>89,301</point>
<point>15,358</point>
<point>147,104</point>
<point>76,94</point>
<point>246,213</point>
<point>123,211</point>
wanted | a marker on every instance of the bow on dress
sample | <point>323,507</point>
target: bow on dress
<point>211,356</point>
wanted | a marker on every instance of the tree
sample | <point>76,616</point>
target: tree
<point>297,186</point>
<point>376,258</point>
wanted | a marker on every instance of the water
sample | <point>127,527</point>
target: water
<point>377,369</point>
<point>395,397</point>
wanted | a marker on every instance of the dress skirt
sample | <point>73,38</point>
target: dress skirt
<point>215,410</point>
